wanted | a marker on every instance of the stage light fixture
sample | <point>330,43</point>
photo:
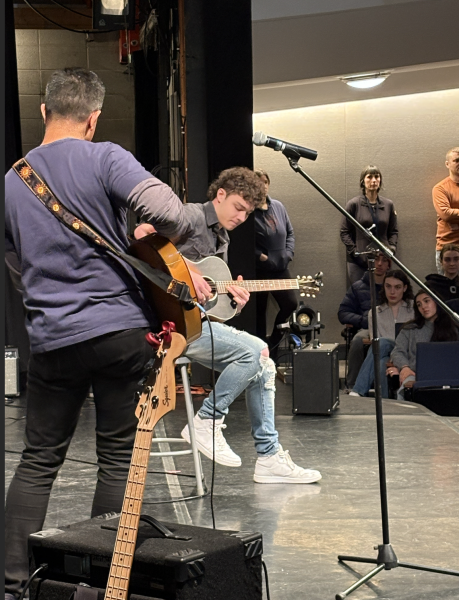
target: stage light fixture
<point>366,80</point>
<point>113,14</point>
<point>303,319</point>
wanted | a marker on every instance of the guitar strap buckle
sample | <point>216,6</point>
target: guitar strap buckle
<point>181,291</point>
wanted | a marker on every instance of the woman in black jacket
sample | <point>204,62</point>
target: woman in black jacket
<point>274,248</point>
<point>368,209</point>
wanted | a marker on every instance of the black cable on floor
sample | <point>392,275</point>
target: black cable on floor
<point>93,464</point>
<point>42,567</point>
<point>265,569</point>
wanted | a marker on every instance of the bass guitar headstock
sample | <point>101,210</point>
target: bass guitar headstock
<point>158,394</point>
<point>310,286</point>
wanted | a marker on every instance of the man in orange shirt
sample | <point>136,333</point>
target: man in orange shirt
<point>445,197</point>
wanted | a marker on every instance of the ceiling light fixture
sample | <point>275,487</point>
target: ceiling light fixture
<point>366,80</point>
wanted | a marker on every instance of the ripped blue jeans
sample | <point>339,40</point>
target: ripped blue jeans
<point>242,367</point>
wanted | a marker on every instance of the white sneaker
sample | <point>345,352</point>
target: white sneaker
<point>354,394</point>
<point>203,431</point>
<point>280,468</point>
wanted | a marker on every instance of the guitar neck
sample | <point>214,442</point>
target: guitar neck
<point>260,285</point>
<point>126,537</point>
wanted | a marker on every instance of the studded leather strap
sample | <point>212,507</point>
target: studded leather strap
<point>177,289</point>
<point>41,190</point>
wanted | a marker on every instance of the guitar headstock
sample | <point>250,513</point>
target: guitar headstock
<point>158,394</point>
<point>310,286</point>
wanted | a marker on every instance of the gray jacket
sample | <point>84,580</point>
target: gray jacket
<point>404,353</point>
<point>386,321</point>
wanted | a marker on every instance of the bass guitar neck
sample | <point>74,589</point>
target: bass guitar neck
<point>157,399</point>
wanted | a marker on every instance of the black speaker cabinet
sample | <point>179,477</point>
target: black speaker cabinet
<point>202,564</point>
<point>316,380</point>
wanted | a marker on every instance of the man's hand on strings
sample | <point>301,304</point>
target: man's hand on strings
<point>239,295</point>
<point>203,289</point>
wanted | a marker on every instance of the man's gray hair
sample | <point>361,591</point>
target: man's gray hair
<point>73,93</point>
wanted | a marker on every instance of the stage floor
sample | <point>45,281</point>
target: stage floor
<point>305,527</point>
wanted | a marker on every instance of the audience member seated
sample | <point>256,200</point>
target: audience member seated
<point>353,311</point>
<point>430,324</point>
<point>395,307</point>
<point>446,286</point>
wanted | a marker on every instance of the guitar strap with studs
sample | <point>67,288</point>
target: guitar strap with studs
<point>177,289</point>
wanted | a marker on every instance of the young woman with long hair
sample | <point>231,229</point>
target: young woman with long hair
<point>430,324</point>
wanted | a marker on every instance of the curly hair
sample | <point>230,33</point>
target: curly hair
<point>407,294</point>
<point>73,93</point>
<point>241,181</point>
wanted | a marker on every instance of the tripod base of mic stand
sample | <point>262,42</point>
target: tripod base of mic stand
<point>387,560</point>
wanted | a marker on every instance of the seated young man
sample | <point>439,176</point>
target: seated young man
<point>242,359</point>
<point>446,286</point>
<point>353,310</point>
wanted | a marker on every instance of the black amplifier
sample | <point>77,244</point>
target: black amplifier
<point>203,563</point>
<point>315,378</point>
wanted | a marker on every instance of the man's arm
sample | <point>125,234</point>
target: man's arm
<point>156,203</point>
<point>442,205</point>
<point>203,290</point>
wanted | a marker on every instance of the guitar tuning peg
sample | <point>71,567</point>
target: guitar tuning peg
<point>297,276</point>
<point>313,295</point>
<point>308,295</point>
<point>302,294</point>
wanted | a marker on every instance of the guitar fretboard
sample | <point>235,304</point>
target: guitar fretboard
<point>260,285</point>
<point>126,537</point>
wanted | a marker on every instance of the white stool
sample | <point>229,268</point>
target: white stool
<point>182,362</point>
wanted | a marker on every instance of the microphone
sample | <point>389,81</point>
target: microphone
<point>290,150</point>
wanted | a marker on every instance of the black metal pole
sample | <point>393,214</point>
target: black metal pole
<point>378,403</point>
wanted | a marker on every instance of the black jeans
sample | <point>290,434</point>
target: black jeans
<point>58,384</point>
<point>287,301</point>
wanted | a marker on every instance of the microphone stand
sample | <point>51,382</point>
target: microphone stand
<point>386,558</point>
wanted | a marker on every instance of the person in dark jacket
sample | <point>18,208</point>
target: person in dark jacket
<point>353,312</point>
<point>274,248</point>
<point>368,209</point>
<point>446,286</point>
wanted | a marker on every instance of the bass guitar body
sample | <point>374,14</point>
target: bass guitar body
<point>161,254</point>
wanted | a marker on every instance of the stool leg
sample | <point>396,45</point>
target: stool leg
<point>190,414</point>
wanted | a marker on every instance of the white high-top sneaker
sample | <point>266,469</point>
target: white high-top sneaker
<point>203,430</point>
<point>280,468</point>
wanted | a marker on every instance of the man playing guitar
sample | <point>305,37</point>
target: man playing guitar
<point>242,359</point>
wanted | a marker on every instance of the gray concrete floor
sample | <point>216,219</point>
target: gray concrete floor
<point>305,527</point>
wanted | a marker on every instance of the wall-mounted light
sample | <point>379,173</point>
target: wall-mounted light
<point>366,80</point>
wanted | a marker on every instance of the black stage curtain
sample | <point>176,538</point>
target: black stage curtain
<point>219,112</point>
<point>15,331</point>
